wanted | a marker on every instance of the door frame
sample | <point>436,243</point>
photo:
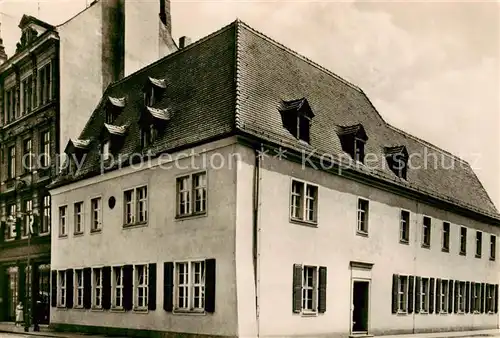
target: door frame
<point>351,330</point>
<point>360,272</point>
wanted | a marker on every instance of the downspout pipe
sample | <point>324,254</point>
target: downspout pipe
<point>256,231</point>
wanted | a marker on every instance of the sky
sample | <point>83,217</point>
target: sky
<point>430,68</point>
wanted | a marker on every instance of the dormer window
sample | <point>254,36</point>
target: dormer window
<point>113,108</point>
<point>353,139</point>
<point>148,135</point>
<point>296,116</point>
<point>397,159</point>
<point>76,150</point>
<point>153,91</point>
<point>112,138</point>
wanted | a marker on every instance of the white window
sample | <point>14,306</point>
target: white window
<point>309,288</point>
<point>46,215</point>
<point>426,232</point>
<point>45,158</point>
<point>61,276</point>
<point>78,208</point>
<point>78,288</point>
<point>490,297</point>
<point>363,206</point>
<point>443,297</point>
<point>135,206</point>
<point>95,224</point>
<point>117,300</point>
<point>424,295</point>
<point>27,209</point>
<point>190,286</point>
<point>304,202</point>
<point>11,232</point>
<point>62,221</point>
<point>463,240</point>
<point>97,288</point>
<point>141,287</point>
<point>403,294</point>
<point>479,243</point>
<point>105,151</point>
<point>476,298</point>
<point>493,247</point>
<point>446,237</point>
<point>461,297</point>
<point>404,227</point>
<point>192,194</point>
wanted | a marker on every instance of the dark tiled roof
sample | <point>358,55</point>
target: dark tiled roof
<point>236,80</point>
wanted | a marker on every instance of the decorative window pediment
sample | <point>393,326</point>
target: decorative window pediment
<point>397,159</point>
<point>353,139</point>
<point>153,90</point>
<point>296,116</point>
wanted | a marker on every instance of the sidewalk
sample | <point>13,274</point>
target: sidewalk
<point>454,334</point>
<point>44,332</point>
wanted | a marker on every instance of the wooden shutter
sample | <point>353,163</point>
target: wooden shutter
<point>450,296</point>
<point>495,298</point>
<point>106,287</point>
<point>483,289</point>
<point>297,288</point>
<point>168,286</point>
<point>395,279</point>
<point>322,289</point>
<point>467,297</point>
<point>69,288</point>
<point>210,273</point>
<point>418,294</point>
<point>53,282</point>
<point>152,286</point>
<point>411,293</point>
<point>87,288</point>
<point>128,286</point>
<point>438,295</point>
<point>431,295</point>
<point>472,299</point>
<point>457,289</point>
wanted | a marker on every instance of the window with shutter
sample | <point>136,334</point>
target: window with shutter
<point>482,296</point>
<point>411,288</point>
<point>106,288</point>
<point>127,287</point>
<point>395,283</point>
<point>152,287</point>
<point>431,295</point>
<point>87,288</point>
<point>438,296</point>
<point>69,288</point>
<point>297,288</point>
<point>467,297</point>
<point>322,289</point>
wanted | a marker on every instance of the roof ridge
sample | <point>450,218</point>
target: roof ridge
<point>237,60</point>
<point>174,54</point>
<point>300,56</point>
<point>427,143</point>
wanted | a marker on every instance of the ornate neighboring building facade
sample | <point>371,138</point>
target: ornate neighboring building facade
<point>46,87</point>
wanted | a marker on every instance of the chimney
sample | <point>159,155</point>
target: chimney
<point>165,17</point>
<point>3,55</point>
<point>184,41</point>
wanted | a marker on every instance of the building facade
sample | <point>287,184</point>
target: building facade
<point>41,101</point>
<point>237,189</point>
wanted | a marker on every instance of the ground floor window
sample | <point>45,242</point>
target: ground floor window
<point>141,287</point>
<point>13,275</point>
<point>78,280</point>
<point>461,297</point>
<point>490,298</point>
<point>61,292</point>
<point>424,295</point>
<point>443,296</point>
<point>403,294</point>
<point>117,300</point>
<point>190,282</point>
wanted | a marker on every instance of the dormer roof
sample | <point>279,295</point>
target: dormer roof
<point>116,130</point>
<point>297,105</point>
<point>160,114</point>
<point>160,83</point>
<point>117,101</point>
<point>356,130</point>
<point>74,144</point>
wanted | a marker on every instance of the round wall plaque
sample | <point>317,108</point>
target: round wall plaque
<point>111,202</point>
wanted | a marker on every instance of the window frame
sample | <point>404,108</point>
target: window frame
<point>443,303</point>
<point>403,294</point>
<point>426,229</point>
<point>404,226</point>
<point>11,161</point>
<point>304,199</point>
<point>189,286</point>
<point>462,294</point>
<point>476,298</point>
<point>27,209</point>
<point>93,228</point>
<point>45,161</point>
<point>78,288</point>
<point>191,193</point>
<point>463,241</point>
<point>445,243</point>
<point>61,288</point>
<point>424,294</point>
<point>46,215</point>
<point>364,219</point>
<point>11,210</point>
<point>314,287</point>
<point>135,203</point>
<point>27,150</point>
<point>97,286</point>
<point>490,297</point>
<point>115,287</point>
<point>144,286</point>
<point>78,230</point>
<point>493,247</point>
<point>479,244</point>
<point>63,221</point>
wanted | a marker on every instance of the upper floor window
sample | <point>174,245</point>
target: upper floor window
<point>463,240</point>
<point>479,244</point>
<point>46,215</point>
<point>135,206</point>
<point>11,225</point>
<point>95,215</point>
<point>45,83</point>
<point>11,166</point>
<point>426,232</point>
<point>27,155</point>
<point>153,91</point>
<point>353,140</point>
<point>404,231</point>
<point>10,105</point>
<point>78,215</point>
<point>192,194</point>
<point>296,116</point>
<point>446,237</point>
<point>27,88</point>
<point>63,231</point>
<point>148,135</point>
<point>397,159</point>
<point>493,247</point>
<point>27,210</point>
<point>45,149</point>
<point>304,202</point>
<point>362,227</point>
<point>113,108</point>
